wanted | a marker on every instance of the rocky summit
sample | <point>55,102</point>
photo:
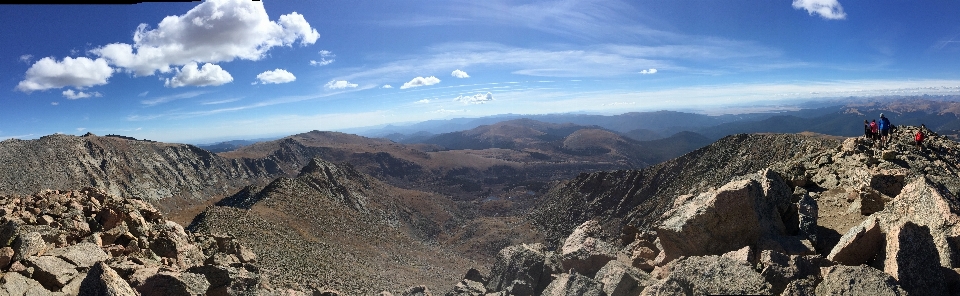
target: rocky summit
<point>854,218</point>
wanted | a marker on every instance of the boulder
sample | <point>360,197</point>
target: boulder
<point>859,245</point>
<point>801,287</point>
<point>28,244</point>
<point>468,288</point>
<point>17,284</point>
<point>8,233</point>
<point>6,256</point>
<point>573,284</point>
<point>174,283</point>
<point>416,291</point>
<point>858,280</point>
<point>641,253</point>
<point>745,254</point>
<point>738,214</point>
<point>82,255</point>
<point>780,269</point>
<point>926,204</point>
<point>531,264</point>
<point>807,212</point>
<point>584,251</point>
<point>52,272</point>
<point>102,280</point>
<point>710,275</point>
<point>620,279</point>
<point>912,260</point>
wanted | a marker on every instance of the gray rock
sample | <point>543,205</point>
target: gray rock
<point>52,272</point>
<point>16,284</point>
<point>467,288</point>
<point>83,254</point>
<point>584,251</point>
<point>172,283</point>
<point>859,245</point>
<point>912,260</point>
<point>28,244</point>
<point>620,279</point>
<point>416,291</point>
<point>8,233</point>
<point>858,280</point>
<point>738,214</point>
<point>780,270</point>
<point>801,287</point>
<point>573,284</point>
<point>525,263</point>
<point>101,280</point>
<point>711,275</point>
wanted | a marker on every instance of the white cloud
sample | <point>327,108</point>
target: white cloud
<point>387,86</point>
<point>420,81</point>
<point>80,72</point>
<point>26,58</point>
<point>449,111</point>
<point>276,77</point>
<point>322,62</point>
<point>475,99</point>
<point>208,75</point>
<point>71,95</point>
<point>459,74</point>
<point>143,94</point>
<point>213,31</point>
<point>80,129</point>
<point>220,101</point>
<point>165,99</point>
<point>55,103</point>
<point>424,101</point>
<point>648,71</point>
<point>339,84</point>
<point>828,9</point>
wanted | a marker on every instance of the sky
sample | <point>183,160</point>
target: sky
<point>200,72</point>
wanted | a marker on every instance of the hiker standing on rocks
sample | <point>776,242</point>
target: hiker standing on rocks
<point>920,136</point>
<point>874,131</point>
<point>867,131</point>
<point>884,126</point>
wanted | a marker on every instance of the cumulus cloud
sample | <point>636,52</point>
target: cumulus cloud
<point>191,75</point>
<point>420,81</point>
<point>80,72</point>
<point>387,86</point>
<point>459,74</point>
<point>26,58</point>
<point>475,99</point>
<point>276,77</point>
<point>828,9</point>
<point>340,84</point>
<point>213,31</point>
<point>649,71</point>
<point>73,95</point>
<point>424,101</point>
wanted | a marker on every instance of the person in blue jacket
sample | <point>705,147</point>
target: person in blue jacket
<point>884,126</point>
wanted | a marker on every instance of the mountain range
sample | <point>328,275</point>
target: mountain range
<point>361,215</point>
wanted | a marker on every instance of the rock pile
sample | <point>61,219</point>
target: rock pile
<point>854,220</point>
<point>88,242</point>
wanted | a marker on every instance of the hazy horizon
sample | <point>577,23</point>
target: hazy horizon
<point>191,72</point>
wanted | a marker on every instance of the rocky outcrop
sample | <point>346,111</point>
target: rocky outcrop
<point>858,280</point>
<point>100,244</point>
<point>710,275</point>
<point>525,268</point>
<point>573,284</point>
<point>147,170</point>
<point>584,252</point>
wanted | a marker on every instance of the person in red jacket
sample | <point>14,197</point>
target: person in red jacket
<point>919,137</point>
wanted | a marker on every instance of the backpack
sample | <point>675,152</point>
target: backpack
<point>920,136</point>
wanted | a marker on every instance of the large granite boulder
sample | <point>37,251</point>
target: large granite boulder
<point>584,251</point>
<point>570,284</point>
<point>741,213</point>
<point>102,280</point>
<point>858,280</point>
<point>522,265</point>
<point>710,275</point>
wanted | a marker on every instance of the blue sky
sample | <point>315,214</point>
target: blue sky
<point>199,72</point>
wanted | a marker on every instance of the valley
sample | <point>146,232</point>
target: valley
<point>360,215</point>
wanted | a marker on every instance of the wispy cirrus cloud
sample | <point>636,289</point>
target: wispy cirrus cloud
<point>165,99</point>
